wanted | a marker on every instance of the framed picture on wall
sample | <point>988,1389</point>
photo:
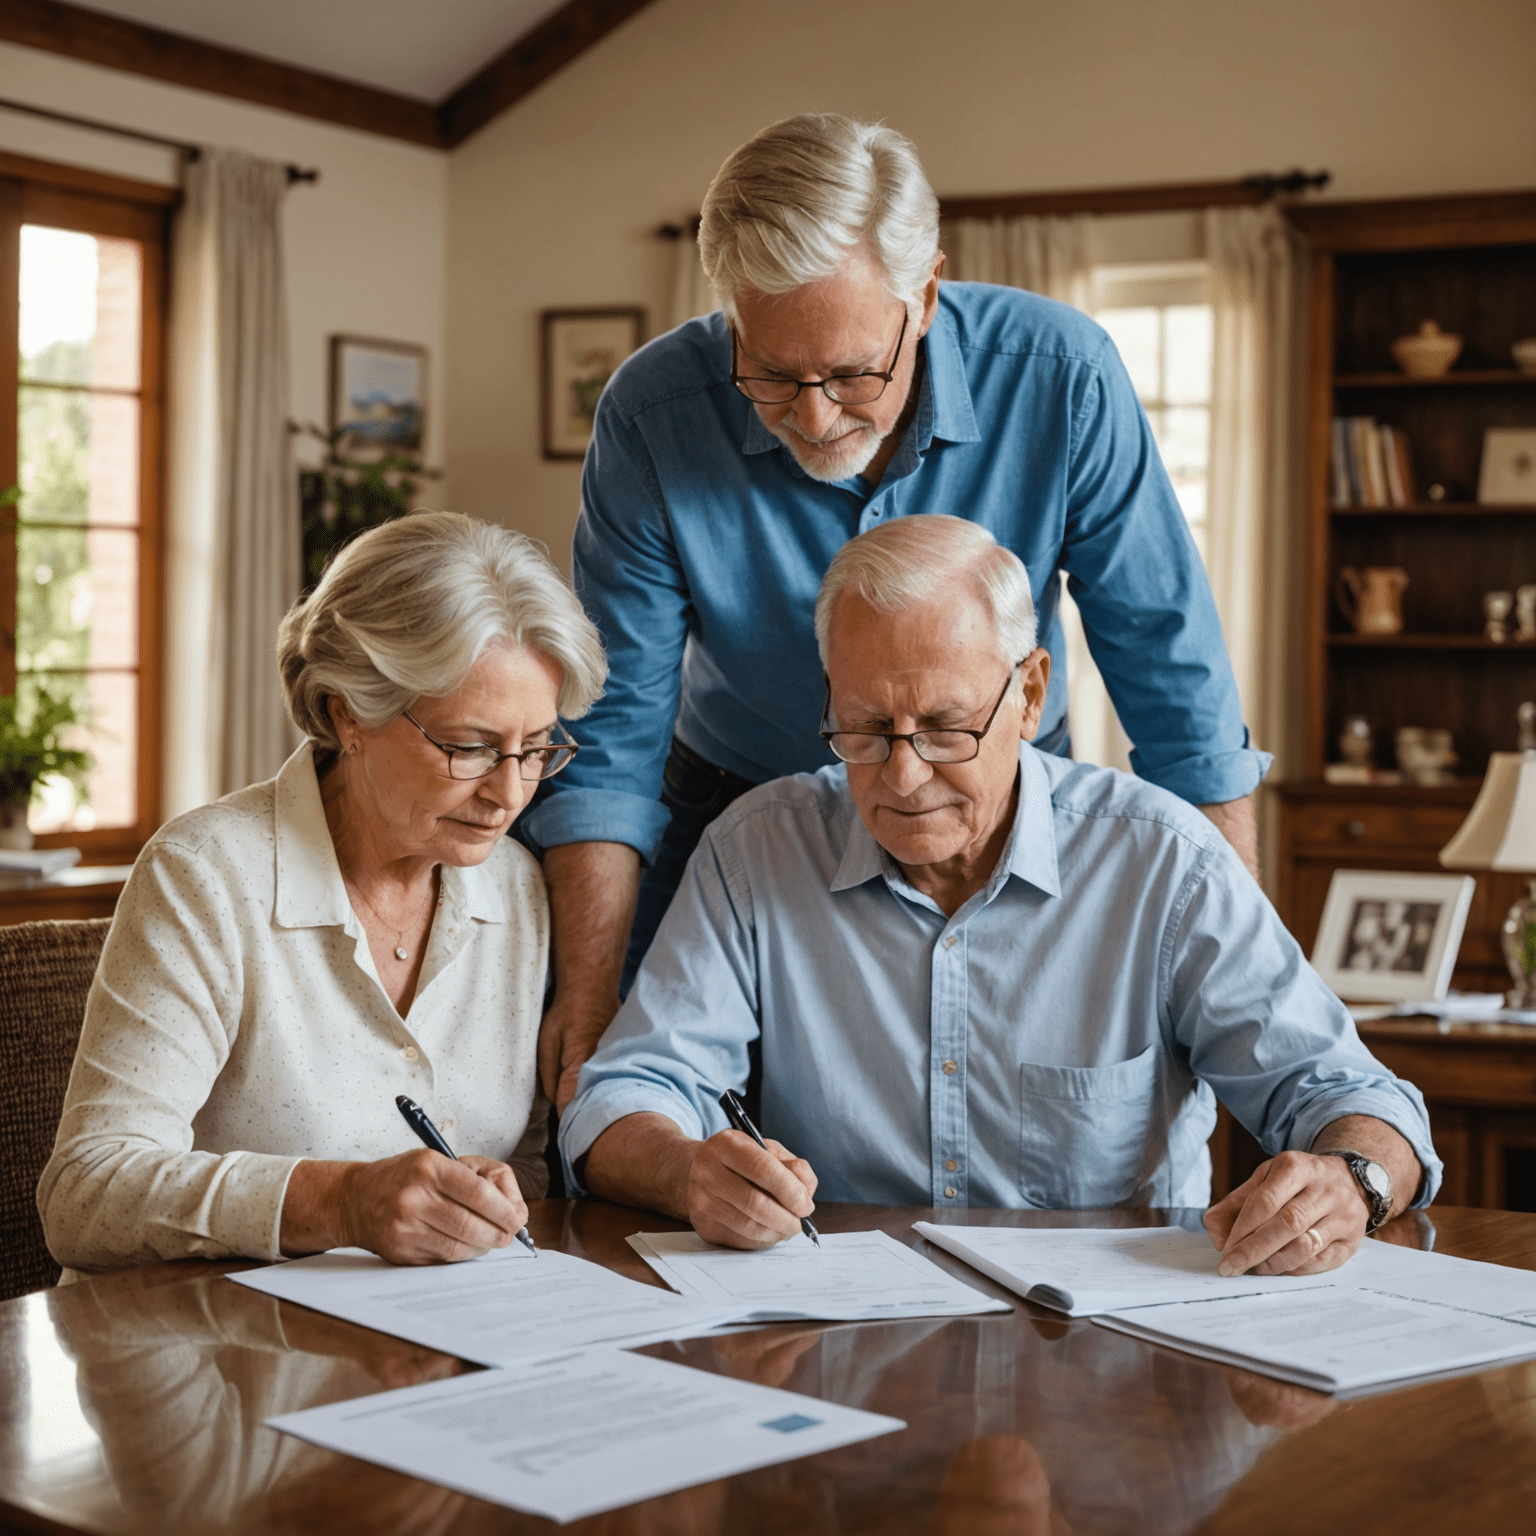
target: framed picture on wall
<point>379,394</point>
<point>1388,937</point>
<point>581,348</point>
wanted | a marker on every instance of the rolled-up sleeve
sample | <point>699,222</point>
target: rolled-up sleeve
<point>124,1184</point>
<point>628,576</point>
<point>1258,1025</point>
<point>1148,613</point>
<point>682,1036</point>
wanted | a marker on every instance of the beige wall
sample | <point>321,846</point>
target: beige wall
<point>365,246</point>
<point>554,203</point>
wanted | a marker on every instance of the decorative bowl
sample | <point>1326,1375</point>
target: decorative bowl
<point>1524,354</point>
<point>1427,355</point>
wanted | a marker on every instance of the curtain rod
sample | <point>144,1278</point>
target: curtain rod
<point>188,152</point>
<point>1163,198</point>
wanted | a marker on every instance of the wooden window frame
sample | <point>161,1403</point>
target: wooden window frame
<point>65,197</point>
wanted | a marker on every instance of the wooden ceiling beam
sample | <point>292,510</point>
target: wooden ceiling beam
<point>96,38</point>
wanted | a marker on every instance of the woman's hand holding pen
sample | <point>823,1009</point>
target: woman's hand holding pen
<point>747,1196</point>
<point>417,1208</point>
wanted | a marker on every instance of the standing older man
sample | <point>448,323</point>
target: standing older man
<point>839,389</point>
<point>981,974</point>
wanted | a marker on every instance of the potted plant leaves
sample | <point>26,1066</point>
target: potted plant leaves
<point>30,752</point>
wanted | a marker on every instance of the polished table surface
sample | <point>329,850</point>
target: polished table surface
<point>134,1403</point>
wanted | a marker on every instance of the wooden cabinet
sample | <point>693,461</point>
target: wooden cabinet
<point>89,890</point>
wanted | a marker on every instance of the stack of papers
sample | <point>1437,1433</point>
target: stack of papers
<point>851,1277</point>
<point>582,1432</point>
<point>505,1306</point>
<point>37,862</point>
<point>1390,1316</point>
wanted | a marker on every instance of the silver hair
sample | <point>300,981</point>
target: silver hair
<point>910,560</point>
<point>792,203</point>
<point>406,610</point>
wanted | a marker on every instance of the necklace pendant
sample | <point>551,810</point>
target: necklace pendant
<point>400,953</point>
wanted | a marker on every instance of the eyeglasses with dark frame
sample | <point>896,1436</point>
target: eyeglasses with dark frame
<point>945,746</point>
<point>480,760</point>
<point>841,388</point>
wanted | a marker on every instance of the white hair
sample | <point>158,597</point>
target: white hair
<point>405,610</point>
<point>910,560</point>
<point>791,205</point>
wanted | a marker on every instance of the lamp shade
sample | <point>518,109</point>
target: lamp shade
<point>1500,829</point>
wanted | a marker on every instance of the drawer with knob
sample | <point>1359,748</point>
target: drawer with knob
<point>1339,828</point>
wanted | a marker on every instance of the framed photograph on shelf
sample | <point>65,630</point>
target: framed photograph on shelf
<point>1389,937</point>
<point>1508,477</point>
<point>581,348</point>
<point>379,394</point>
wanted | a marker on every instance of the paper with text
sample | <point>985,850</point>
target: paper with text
<point>853,1276</point>
<point>502,1307</point>
<point>582,1432</point>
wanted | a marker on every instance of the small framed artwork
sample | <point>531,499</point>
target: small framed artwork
<point>581,348</point>
<point>1388,937</point>
<point>1508,477</point>
<point>379,394</point>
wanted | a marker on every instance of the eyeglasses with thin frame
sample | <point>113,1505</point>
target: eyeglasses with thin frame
<point>945,746</point>
<point>841,388</point>
<point>479,759</point>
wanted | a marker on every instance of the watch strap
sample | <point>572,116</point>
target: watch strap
<point>1380,1205</point>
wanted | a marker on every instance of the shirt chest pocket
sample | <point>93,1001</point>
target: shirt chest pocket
<point>1083,1133</point>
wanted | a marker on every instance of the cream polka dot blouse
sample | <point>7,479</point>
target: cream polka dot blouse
<point>237,1025</point>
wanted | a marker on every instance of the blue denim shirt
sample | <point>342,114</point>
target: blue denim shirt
<point>701,547</point>
<point>1059,1042</point>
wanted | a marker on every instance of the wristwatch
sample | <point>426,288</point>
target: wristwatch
<point>1374,1181</point>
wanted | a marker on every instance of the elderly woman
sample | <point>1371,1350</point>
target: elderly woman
<point>286,961</point>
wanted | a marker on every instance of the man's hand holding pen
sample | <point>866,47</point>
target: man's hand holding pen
<point>747,1196</point>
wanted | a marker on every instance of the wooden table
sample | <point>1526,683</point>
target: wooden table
<point>85,890</point>
<point>134,1403</point>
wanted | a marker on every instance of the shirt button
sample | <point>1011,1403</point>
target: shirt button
<point>949,1194</point>
<point>949,943</point>
<point>447,1125</point>
<point>950,1068</point>
<point>410,1053</point>
<point>949,1167</point>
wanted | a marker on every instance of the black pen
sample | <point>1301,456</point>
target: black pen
<point>421,1122</point>
<point>736,1113</point>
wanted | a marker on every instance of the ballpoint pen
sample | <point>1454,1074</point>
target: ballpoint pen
<point>736,1113</point>
<point>421,1122</point>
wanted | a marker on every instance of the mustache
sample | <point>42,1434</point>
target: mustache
<point>824,442</point>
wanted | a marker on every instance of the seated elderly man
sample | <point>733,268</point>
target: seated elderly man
<point>981,975</point>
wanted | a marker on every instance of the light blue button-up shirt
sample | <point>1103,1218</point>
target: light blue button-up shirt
<point>1059,1042</point>
<point>702,543</point>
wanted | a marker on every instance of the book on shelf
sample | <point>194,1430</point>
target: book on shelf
<point>1370,464</point>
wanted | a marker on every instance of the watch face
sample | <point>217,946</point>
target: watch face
<point>1378,1178</point>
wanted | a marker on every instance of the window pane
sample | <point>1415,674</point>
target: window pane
<point>1185,441</point>
<point>81,298</point>
<point>108,702</point>
<point>79,457</point>
<point>1187,354</point>
<point>77,594</point>
<point>1135,333</point>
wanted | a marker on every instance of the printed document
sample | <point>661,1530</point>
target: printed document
<point>1342,1339</point>
<point>852,1277</point>
<point>575,1434</point>
<point>504,1306</point>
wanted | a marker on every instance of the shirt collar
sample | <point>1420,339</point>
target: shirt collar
<point>1029,853</point>
<point>310,891</point>
<point>944,407</point>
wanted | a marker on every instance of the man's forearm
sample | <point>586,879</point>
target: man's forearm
<point>593,888</point>
<point>1236,821</point>
<point>1381,1143</point>
<point>642,1160</point>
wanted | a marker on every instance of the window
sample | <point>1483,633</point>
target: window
<point>80,564</point>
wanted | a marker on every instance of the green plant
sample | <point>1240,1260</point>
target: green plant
<point>347,496</point>
<point>30,752</point>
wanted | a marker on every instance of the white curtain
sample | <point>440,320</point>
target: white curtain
<point>1253,526</point>
<point>692,294</point>
<point>1054,256</point>
<point>233,525</point>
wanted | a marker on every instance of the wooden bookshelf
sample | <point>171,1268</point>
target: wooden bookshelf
<point>1449,380</point>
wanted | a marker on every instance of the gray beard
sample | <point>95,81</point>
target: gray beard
<point>855,462</point>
